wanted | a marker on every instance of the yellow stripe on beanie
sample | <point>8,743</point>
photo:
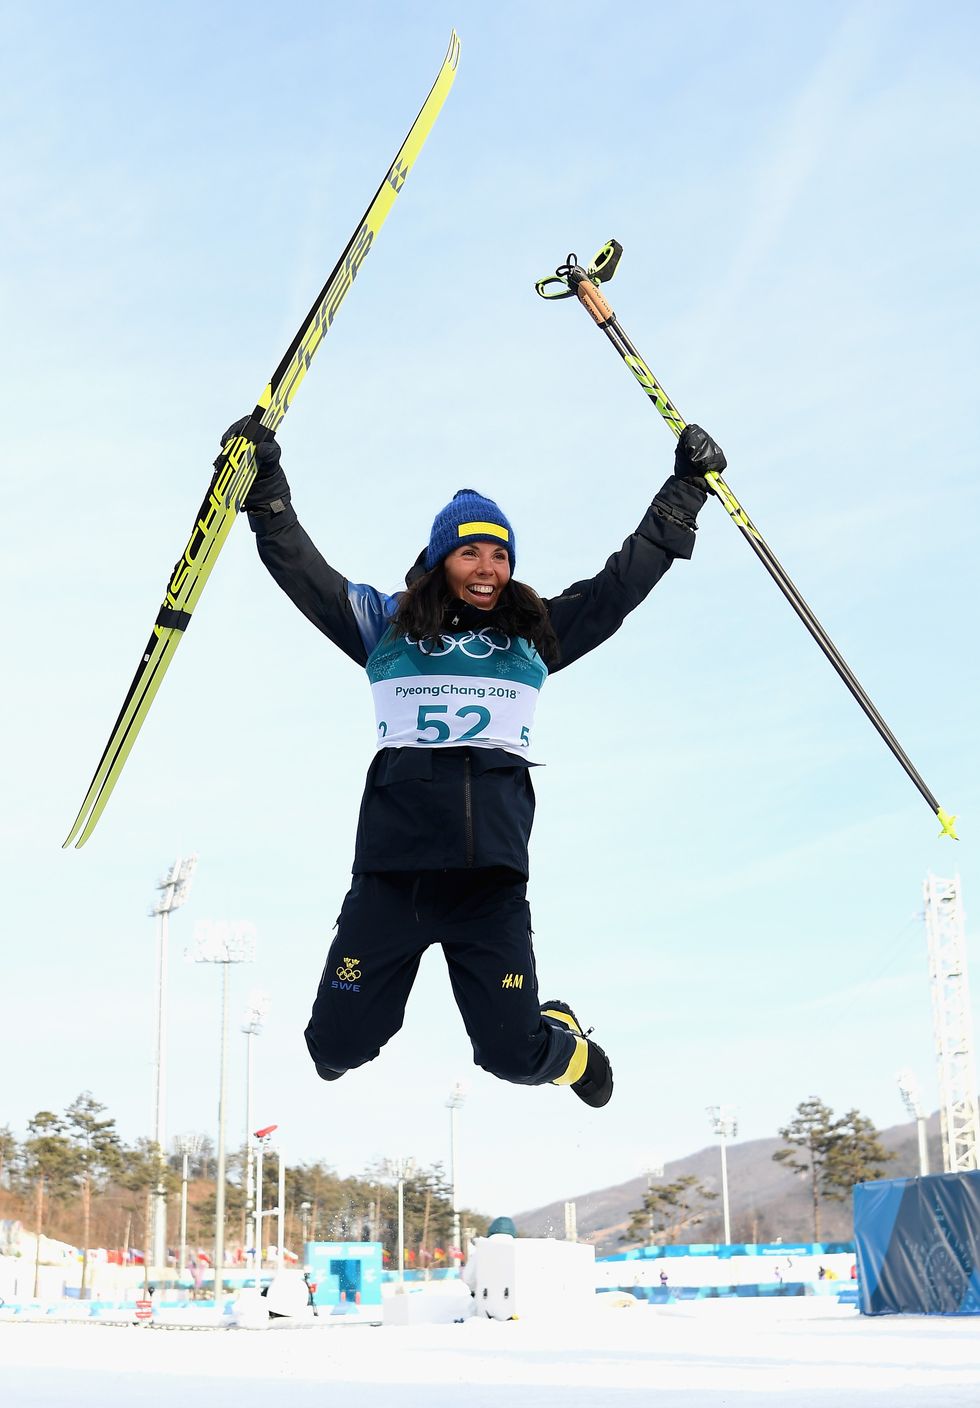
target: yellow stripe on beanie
<point>493,530</point>
<point>468,517</point>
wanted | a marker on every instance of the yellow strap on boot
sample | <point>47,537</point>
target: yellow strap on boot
<point>565,1018</point>
<point>575,1069</point>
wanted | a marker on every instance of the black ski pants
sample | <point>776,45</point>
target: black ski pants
<point>481,919</point>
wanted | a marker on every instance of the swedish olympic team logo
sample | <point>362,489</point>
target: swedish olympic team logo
<point>348,972</point>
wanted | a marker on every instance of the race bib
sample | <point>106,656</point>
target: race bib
<point>476,689</point>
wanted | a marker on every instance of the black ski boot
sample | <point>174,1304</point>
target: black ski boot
<point>595,1085</point>
<point>562,1015</point>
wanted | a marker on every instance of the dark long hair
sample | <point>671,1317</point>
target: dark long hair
<point>426,610</point>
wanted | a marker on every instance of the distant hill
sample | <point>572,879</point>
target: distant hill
<point>767,1201</point>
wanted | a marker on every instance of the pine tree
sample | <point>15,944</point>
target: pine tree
<point>47,1163</point>
<point>856,1155</point>
<point>8,1153</point>
<point>837,1153</point>
<point>812,1131</point>
<point>142,1170</point>
<point>96,1155</point>
<point>336,1210</point>
<point>668,1205</point>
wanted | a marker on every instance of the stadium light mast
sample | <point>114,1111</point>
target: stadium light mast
<point>653,1170</point>
<point>456,1097</point>
<point>909,1089</point>
<point>188,1146</point>
<point>225,943</point>
<point>262,1137</point>
<point>952,1023</point>
<point>281,1211</point>
<point>173,887</point>
<point>398,1170</point>
<point>725,1125</point>
<point>254,1015</point>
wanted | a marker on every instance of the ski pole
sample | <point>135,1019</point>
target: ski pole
<point>571,279</point>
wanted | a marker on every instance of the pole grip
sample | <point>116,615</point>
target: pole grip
<point>594,303</point>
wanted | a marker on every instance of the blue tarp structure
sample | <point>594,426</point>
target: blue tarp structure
<point>918,1245</point>
<point>346,1274</point>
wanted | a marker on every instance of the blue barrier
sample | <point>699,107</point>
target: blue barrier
<point>724,1250</point>
<point>918,1244</point>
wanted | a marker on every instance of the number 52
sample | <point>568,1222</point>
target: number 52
<point>442,730</point>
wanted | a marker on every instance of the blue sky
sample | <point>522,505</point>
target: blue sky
<point>727,864</point>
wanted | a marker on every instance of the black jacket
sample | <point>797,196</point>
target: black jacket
<point>452,807</point>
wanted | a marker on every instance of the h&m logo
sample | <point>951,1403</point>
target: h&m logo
<point>513,980</point>
<point>348,973</point>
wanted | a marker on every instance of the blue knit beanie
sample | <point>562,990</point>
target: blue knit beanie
<point>470,518</point>
<point>502,1227</point>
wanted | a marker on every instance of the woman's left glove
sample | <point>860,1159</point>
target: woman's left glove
<point>697,455</point>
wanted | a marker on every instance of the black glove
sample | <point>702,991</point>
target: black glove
<point>270,489</point>
<point>696,455</point>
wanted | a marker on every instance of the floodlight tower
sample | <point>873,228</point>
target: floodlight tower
<point>725,1125</point>
<point>223,943</point>
<point>952,1023</point>
<point>398,1170</point>
<point>174,887</point>
<point>262,1137</point>
<point>456,1097</point>
<point>654,1170</point>
<point>254,1015</point>
<point>188,1147</point>
<point>909,1090</point>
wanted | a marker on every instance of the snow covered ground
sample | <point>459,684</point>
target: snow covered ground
<point>804,1353</point>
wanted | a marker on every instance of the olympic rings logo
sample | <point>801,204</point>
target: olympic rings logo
<point>484,641</point>
<point>348,972</point>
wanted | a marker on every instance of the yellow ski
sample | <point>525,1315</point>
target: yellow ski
<point>235,467</point>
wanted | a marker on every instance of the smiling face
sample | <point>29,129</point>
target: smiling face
<point>478,573</point>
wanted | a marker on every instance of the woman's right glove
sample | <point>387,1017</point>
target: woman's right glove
<point>270,489</point>
<point>697,455</point>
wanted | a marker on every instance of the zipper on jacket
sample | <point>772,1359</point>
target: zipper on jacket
<point>468,809</point>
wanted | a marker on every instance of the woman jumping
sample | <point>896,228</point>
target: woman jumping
<point>455,664</point>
